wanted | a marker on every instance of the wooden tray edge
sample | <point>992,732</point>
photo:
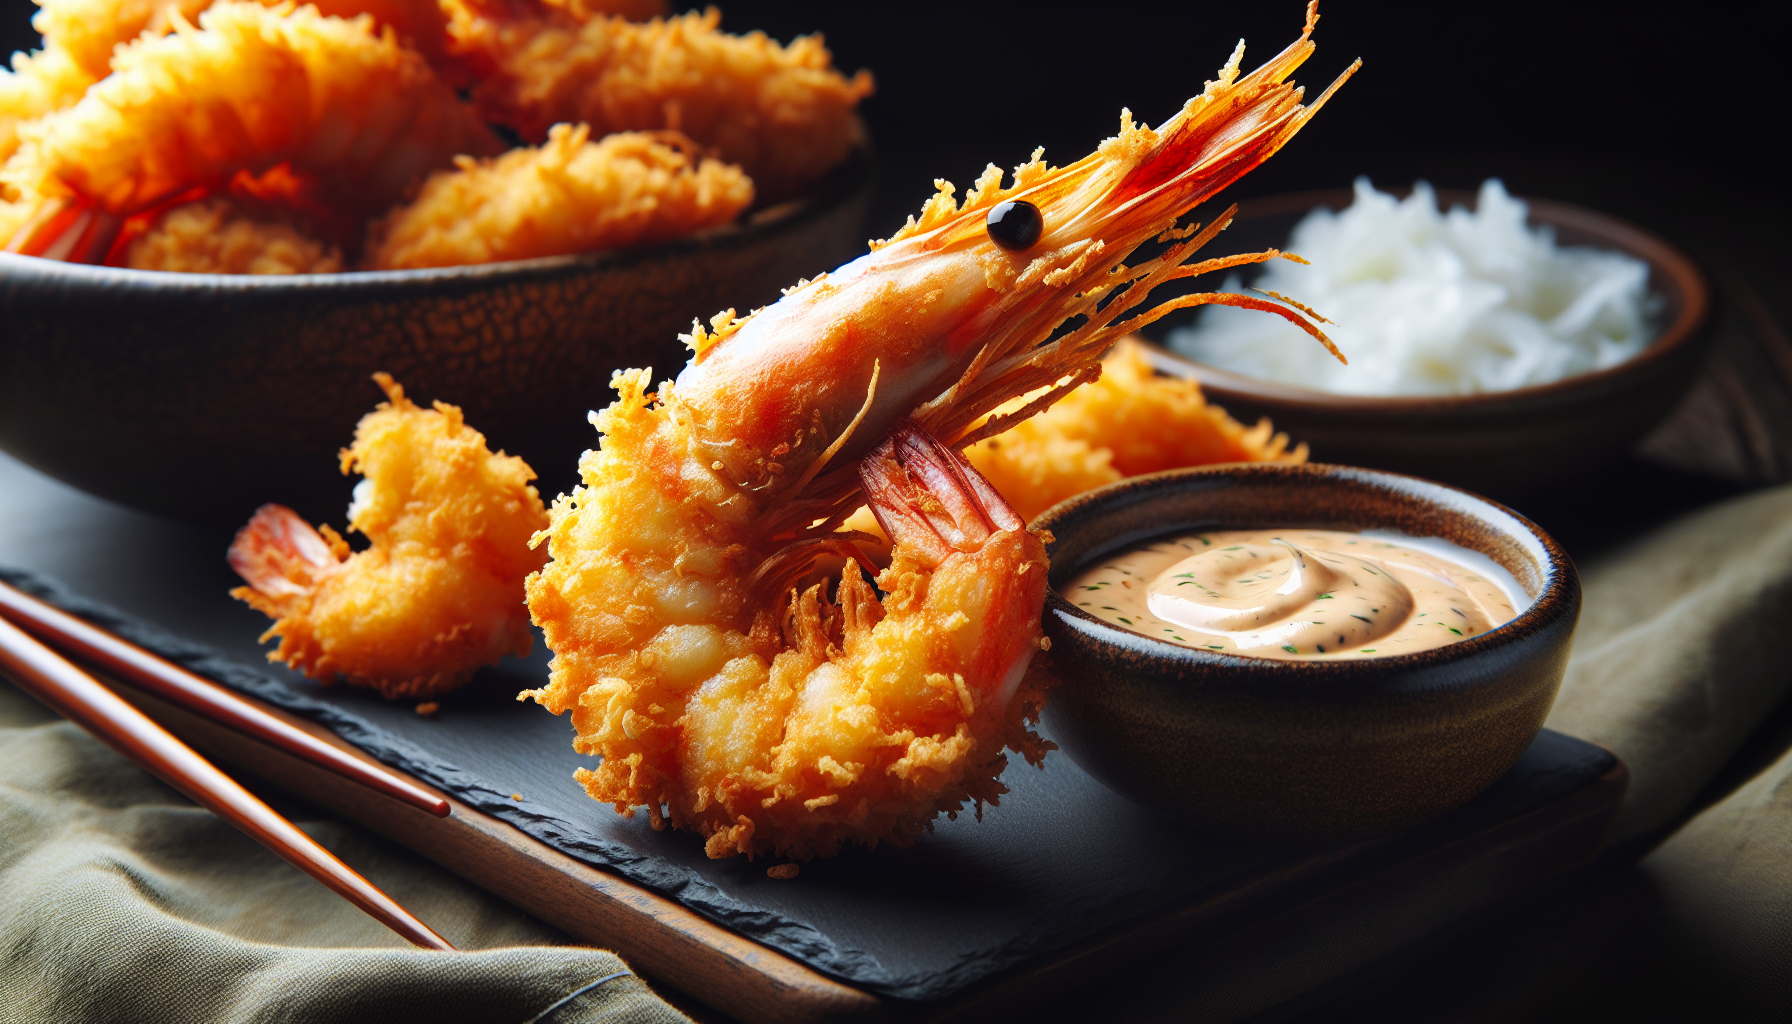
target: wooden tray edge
<point>669,943</point>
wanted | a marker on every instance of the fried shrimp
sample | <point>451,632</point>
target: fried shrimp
<point>355,116</point>
<point>90,30</point>
<point>723,689</point>
<point>633,10</point>
<point>80,37</point>
<point>214,236</point>
<point>570,195</point>
<point>439,592</point>
<point>1129,422</point>
<point>37,84</point>
<point>780,112</point>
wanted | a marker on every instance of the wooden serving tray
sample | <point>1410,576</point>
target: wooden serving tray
<point>1289,922</point>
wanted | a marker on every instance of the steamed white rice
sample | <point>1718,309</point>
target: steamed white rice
<point>1432,304</point>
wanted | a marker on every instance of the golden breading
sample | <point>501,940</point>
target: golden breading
<point>89,30</point>
<point>213,236</point>
<point>440,591</point>
<point>38,83</point>
<point>254,88</point>
<point>633,10</point>
<point>774,722</point>
<point>571,195</point>
<point>781,112</point>
<point>421,25</point>
<point>1129,422</point>
<point>80,37</point>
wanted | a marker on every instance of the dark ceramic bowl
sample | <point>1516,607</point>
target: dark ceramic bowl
<point>1302,750</point>
<point>1507,442</point>
<point>202,396</point>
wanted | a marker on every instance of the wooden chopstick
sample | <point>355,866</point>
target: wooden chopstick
<point>83,700</point>
<point>89,643</point>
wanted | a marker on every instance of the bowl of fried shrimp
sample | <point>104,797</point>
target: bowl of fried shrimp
<point>1497,343</point>
<point>224,217</point>
<point>1307,747</point>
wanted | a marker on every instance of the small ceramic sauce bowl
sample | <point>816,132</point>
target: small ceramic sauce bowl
<point>1301,749</point>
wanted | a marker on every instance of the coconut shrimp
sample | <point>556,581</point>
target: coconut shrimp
<point>439,592</point>
<point>347,113</point>
<point>569,195</point>
<point>780,112</point>
<point>723,689</point>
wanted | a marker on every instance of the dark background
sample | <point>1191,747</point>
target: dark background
<point>1652,111</point>
<point>1670,115</point>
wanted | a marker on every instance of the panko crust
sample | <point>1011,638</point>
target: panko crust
<point>570,195</point>
<point>439,594</point>
<point>251,89</point>
<point>214,236</point>
<point>90,30</point>
<point>38,83</point>
<point>771,726</point>
<point>782,113</point>
<point>80,38</point>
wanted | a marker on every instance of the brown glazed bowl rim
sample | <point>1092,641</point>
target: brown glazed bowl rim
<point>845,180</point>
<point>1613,233</point>
<point>1557,595</point>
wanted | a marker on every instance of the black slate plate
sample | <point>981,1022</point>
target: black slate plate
<point>1060,860</point>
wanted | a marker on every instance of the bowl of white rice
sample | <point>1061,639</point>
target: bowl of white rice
<point>1497,343</point>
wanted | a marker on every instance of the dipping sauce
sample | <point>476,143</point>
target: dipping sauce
<point>1292,594</point>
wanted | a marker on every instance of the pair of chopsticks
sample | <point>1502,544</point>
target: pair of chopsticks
<point>82,699</point>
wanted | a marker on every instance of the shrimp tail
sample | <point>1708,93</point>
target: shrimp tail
<point>928,498</point>
<point>282,558</point>
<point>71,230</point>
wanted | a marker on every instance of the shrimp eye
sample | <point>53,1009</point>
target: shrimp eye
<point>1015,224</point>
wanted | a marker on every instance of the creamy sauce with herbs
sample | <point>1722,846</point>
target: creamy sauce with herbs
<point>1294,594</point>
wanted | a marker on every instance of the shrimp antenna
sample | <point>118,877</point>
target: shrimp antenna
<point>1133,189</point>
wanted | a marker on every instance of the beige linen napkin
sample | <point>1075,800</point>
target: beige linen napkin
<point>1685,643</point>
<point>122,901</point>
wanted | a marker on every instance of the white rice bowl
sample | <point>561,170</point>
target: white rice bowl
<point>1426,303</point>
